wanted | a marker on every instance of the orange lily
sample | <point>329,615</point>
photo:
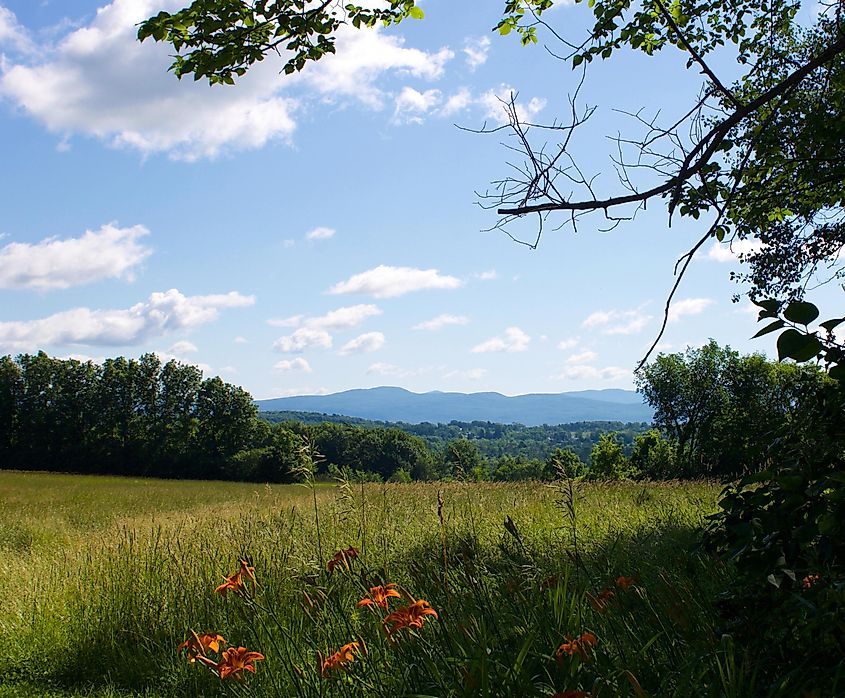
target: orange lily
<point>340,659</point>
<point>624,582</point>
<point>580,645</point>
<point>342,557</point>
<point>601,601</point>
<point>810,580</point>
<point>198,645</point>
<point>237,660</point>
<point>408,617</point>
<point>379,596</point>
<point>236,582</point>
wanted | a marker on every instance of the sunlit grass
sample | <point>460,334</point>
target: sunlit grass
<point>105,577</point>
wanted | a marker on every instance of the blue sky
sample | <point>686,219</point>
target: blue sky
<point>321,233</point>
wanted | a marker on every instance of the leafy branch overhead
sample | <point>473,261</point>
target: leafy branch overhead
<point>221,39</point>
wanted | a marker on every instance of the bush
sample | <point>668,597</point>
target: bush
<point>607,459</point>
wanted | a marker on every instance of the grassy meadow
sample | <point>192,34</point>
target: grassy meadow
<point>104,577</point>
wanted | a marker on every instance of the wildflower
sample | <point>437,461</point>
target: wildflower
<point>810,580</point>
<point>236,661</point>
<point>580,645</point>
<point>236,582</point>
<point>379,596</point>
<point>408,617</point>
<point>199,644</point>
<point>340,659</point>
<point>601,601</point>
<point>624,582</point>
<point>342,557</point>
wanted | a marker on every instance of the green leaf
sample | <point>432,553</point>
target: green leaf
<point>801,312</point>
<point>504,29</point>
<point>829,325</point>
<point>416,12</point>
<point>793,344</point>
<point>776,325</point>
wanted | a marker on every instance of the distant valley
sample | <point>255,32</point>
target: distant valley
<point>400,405</point>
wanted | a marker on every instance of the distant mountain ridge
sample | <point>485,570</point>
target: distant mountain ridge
<point>400,405</point>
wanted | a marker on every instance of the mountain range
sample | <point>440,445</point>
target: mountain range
<point>400,405</point>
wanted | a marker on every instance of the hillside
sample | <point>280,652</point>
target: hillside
<point>400,405</point>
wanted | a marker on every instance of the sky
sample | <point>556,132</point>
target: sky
<point>322,232</point>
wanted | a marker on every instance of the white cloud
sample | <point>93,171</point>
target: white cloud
<point>472,374</point>
<point>304,338</point>
<point>293,392</point>
<point>514,340</point>
<point>165,356</point>
<point>241,340</point>
<point>490,275</point>
<point>109,252</point>
<point>733,251</point>
<point>476,50</point>
<point>441,321</point>
<point>292,321</point>
<point>161,313</point>
<point>569,343</point>
<point>12,34</point>
<point>98,80</point>
<point>457,102</point>
<point>344,318</point>
<point>688,306</point>
<point>411,105</point>
<point>363,55</point>
<point>625,321</point>
<point>496,102</point>
<point>183,347</point>
<point>390,282</point>
<point>609,373</point>
<point>582,358</point>
<point>363,344</point>
<point>321,233</point>
<point>297,364</point>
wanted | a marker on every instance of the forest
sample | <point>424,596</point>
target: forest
<point>713,410</point>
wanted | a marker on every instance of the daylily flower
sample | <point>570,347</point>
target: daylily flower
<point>237,660</point>
<point>601,601</point>
<point>580,645</point>
<point>624,582</point>
<point>342,557</point>
<point>340,659</point>
<point>379,596</point>
<point>199,644</point>
<point>236,582</point>
<point>810,580</point>
<point>408,617</point>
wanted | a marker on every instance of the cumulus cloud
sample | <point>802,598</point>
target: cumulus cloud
<point>514,340</point>
<point>441,321</point>
<point>161,313</point>
<point>617,321</point>
<point>292,321</point>
<point>609,373</point>
<point>411,105</point>
<point>476,50</point>
<point>496,103</point>
<point>457,102</point>
<point>12,35</point>
<point>320,233</point>
<point>98,80</point>
<point>734,251</point>
<point>183,347</point>
<point>385,369</point>
<point>297,364</point>
<point>302,339</point>
<point>109,252</point>
<point>582,358</point>
<point>489,275</point>
<point>688,306</point>
<point>241,340</point>
<point>165,356</point>
<point>363,344</point>
<point>569,343</point>
<point>343,318</point>
<point>390,282</point>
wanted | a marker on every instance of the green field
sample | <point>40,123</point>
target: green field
<point>105,577</point>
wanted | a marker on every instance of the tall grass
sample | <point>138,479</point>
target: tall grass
<point>104,577</point>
